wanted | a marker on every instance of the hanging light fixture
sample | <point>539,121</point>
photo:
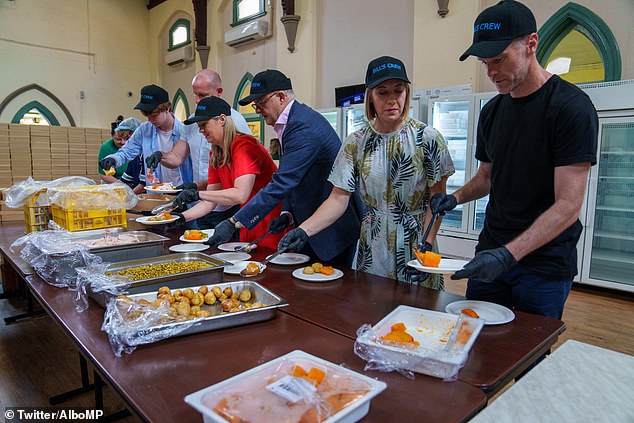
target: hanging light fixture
<point>443,8</point>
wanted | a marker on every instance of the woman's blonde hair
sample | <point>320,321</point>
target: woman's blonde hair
<point>370,111</point>
<point>222,156</point>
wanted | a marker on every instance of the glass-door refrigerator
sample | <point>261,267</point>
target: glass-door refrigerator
<point>354,116</point>
<point>608,258</point>
<point>334,116</point>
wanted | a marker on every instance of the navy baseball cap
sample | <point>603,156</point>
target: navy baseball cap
<point>266,82</point>
<point>152,96</point>
<point>497,26</point>
<point>209,107</point>
<point>384,68</point>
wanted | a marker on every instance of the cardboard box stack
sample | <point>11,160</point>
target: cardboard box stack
<point>5,152</point>
<point>6,214</point>
<point>77,151</point>
<point>20,149</point>
<point>94,139</point>
<point>41,151</point>
<point>59,151</point>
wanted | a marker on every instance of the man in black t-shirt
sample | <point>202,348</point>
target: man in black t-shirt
<point>536,142</point>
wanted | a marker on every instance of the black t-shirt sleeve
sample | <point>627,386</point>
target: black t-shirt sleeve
<point>576,132</point>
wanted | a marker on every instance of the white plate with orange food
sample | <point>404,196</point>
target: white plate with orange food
<point>238,266</point>
<point>164,188</point>
<point>159,219</point>
<point>446,265</point>
<point>491,313</point>
<point>317,276</point>
<point>194,235</point>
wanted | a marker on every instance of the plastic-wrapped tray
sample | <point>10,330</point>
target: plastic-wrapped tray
<point>219,319</point>
<point>210,275</point>
<point>258,386</point>
<point>445,340</point>
<point>146,244</point>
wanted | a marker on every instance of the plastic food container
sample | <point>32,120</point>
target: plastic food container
<point>444,342</point>
<point>287,398</point>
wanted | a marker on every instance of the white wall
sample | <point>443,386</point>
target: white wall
<point>94,46</point>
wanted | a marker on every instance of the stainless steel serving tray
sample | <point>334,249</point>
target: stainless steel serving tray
<point>149,245</point>
<point>219,320</point>
<point>212,275</point>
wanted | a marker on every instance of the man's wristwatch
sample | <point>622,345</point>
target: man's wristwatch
<point>237,224</point>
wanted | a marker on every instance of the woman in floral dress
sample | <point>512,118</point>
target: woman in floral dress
<point>396,164</point>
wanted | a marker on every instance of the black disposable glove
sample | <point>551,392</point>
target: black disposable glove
<point>153,160</point>
<point>187,185</point>
<point>223,232</point>
<point>180,221</point>
<point>185,197</point>
<point>416,276</point>
<point>441,203</point>
<point>294,240</point>
<point>279,223</point>
<point>107,163</point>
<point>487,265</point>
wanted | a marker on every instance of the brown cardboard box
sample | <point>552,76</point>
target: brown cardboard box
<point>148,201</point>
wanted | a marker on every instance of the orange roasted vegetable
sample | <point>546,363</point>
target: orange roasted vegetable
<point>327,270</point>
<point>428,258</point>
<point>314,375</point>
<point>398,334</point>
<point>470,312</point>
<point>252,269</point>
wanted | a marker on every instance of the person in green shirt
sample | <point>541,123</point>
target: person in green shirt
<point>123,131</point>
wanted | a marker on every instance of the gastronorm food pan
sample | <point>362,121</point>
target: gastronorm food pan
<point>219,319</point>
<point>137,244</point>
<point>210,275</point>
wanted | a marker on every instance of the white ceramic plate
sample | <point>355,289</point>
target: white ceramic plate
<point>290,259</point>
<point>187,248</point>
<point>238,266</point>
<point>209,233</point>
<point>316,277</point>
<point>491,313</point>
<point>162,191</point>
<point>445,266</point>
<point>231,246</point>
<point>232,257</point>
<point>145,221</point>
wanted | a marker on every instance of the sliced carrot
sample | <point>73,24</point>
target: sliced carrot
<point>316,375</point>
<point>327,270</point>
<point>298,371</point>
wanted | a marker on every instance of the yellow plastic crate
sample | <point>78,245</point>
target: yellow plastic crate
<point>98,217</point>
<point>36,217</point>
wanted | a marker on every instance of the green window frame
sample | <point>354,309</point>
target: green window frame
<point>40,108</point>
<point>245,83</point>
<point>179,23</point>
<point>573,16</point>
<point>180,96</point>
<point>238,21</point>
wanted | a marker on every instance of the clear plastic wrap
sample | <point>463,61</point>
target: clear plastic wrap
<point>439,348</point>
<point>93,197</point>
<point>20,193</point>
<point>296,387</point>
<point>129,324</point>
<point>54,256</point>
<point>94,278</point>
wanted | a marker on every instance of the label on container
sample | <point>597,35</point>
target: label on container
<point>292,389</point>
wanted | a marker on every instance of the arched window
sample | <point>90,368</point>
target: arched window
<point>35,113</point>
<point>576,44</point>
<point>180,106</point>
<point>246,10</point>
<point>254,120</point>
<point>179,34</point>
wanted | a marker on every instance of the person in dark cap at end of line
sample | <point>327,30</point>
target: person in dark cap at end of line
<point>309,146</point>
<point>536,142</point>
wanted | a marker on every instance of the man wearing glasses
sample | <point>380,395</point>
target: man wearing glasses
<point>308,147</point>
<point>160,133</point>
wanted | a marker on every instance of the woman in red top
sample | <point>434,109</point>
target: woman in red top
<point>239,166</point>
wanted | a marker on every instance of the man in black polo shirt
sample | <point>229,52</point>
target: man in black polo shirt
<point>536,142</point>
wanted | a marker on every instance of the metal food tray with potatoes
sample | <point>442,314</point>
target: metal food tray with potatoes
<point>212,274</point>
<point>146,244</point>
<point>219,319</point>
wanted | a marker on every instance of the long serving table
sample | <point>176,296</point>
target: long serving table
<point>322,319</point>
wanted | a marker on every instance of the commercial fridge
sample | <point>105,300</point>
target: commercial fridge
<point>354,116</point>
<point>334,116</point>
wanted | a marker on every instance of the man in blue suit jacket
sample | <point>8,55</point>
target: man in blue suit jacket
<point>309,146</point>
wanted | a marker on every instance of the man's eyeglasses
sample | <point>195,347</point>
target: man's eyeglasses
<point>260,104</point>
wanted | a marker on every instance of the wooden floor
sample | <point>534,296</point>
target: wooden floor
<point>38,361</point>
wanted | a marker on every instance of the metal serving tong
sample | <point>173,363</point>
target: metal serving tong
<point>164,208</point>
<point>244,273</point>
<point>251,245</point>
<point>421,244</point>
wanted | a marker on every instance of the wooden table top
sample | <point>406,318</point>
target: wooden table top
<point>155,378</point>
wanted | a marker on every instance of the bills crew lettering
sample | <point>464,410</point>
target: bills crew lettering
<point>385,66</point>
<point>487,26</point>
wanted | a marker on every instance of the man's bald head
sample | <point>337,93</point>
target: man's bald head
<point>206,83</point>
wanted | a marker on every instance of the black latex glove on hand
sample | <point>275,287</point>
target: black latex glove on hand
<point>180,221</point>
<point>107,163</point>
<point>441,203</point>
<point>153,160</point>
<point>294,240</point>
<point>223,232</point>
<point>278,224</point>
<point>187,185</point>
<point>487,265</point>
<point>185,197</point>
<point>416,276</point>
